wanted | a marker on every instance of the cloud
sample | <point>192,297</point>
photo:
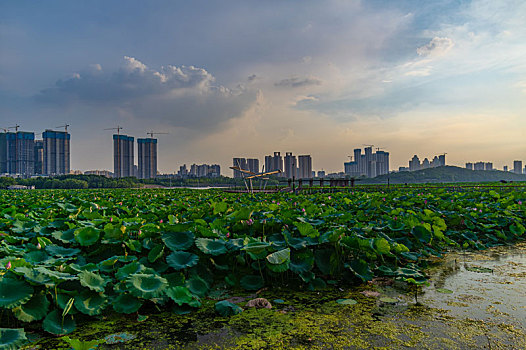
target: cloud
<point>295,82</point>
<point>184,96</point>
<point>436,47</point>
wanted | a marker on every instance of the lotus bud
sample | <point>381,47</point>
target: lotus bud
<point>39,246</point>
<point>111,219</point>
<point>8,266</point>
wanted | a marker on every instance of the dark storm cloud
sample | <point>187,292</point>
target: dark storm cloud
<point>184,96</point>
<point>298,82</point>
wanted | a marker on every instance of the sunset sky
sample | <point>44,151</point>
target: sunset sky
<point>247,78</point>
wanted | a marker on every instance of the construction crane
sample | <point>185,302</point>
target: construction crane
<point>65,126</point>
<point>14,127</point>
<point>363,144</point>
<point>350,158</point>
<point>118,169</point>
<point>151,133</point>
<point>379,148</point>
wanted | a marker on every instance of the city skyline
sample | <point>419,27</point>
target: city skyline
<point>317,78</point>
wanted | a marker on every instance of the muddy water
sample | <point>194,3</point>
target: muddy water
<point>488,286</point>
<point>475,301</point>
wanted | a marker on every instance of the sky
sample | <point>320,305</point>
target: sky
<point>247,78</point>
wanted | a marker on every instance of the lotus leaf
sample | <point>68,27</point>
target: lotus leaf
<point>146,285</point>
<point>307,229</point>
<point>346,301</point>
<point>54,325</point>
<point>56,275</point>
<point>361,269</point>
<point>35,309</point>
<point>87,236</point>
<point>126,304</point>
<point>67,236</point>
<point>33,276</point>
<point>12,338</point>
<point>278,267</point>
<point>197,286</point>
<point>56,250</point>
<point>93,281</point>
<point>78,344</point>
<point>180,260</point>
<point>156,252</point>
<point>256,250</point>
<point>279,257</point>
<point>129,269</point>
<point>14,292</point>
<point>178,240</point>
<point>252,282</point>
<point>90,303</point>
<point>181,295</point>
<point>211,246</point>
<point>226,308</point>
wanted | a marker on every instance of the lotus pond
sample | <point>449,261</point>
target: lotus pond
<point>78,261</point>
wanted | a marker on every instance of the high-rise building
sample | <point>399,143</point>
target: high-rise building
<point>488,166</point>
<point>368,164</point>
<point>414,163</point>
<point>123,159</point>
<point>20,150</point>
<point>505,168</point>
<point>275,162</point>
<point>479,166</point>
<point>442,160</point>
<point>291,166</point>
<point>39,157</point>
<point>3,152</point>
<point>469,166</point>
<point>305,167</point>
<point>242,164</point>
<point>56,152</point>
<point>253,165</point>
<point>517,166</point>
<point>147,158</point>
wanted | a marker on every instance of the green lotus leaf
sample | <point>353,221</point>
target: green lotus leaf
<point>382,246</point>
<point>301,261</point>
<point>36,256</point>
<point>32,275</point>
<point>56,250</point>
<point>235,244</point>
<point>54,325</point>
<point>444,290</point>
<point>78,344</point>
<point>317,284</point>
<point>67,236</point>
<point>211,246</point>
<point>361,269</point>
<point>181,295</point>
<point>346,301</point>
<point>175,279</point>
<point>93,281</point>
<point>14,292</point>
<point>62,301</point>
<point>87,236</point>
<point>12,338</point>
<point>178,240</point>
<point>279,257</point>
<point>324,260</point>
<point>129,269</point>
<point>156,252</point>
<point>307,229</point>
<point>197,286</point>
<point>252,282</point>
<point>256,250</point>
<point>35,309</point>
<point>56,275</point>
<point>278,267</point>
<point>146,285</point>
<point>180,260</point>
<point>90,303</point>
<point>226,308</point>
<point>422,234</point>
<point>388,300</point>
<point>126,304</point>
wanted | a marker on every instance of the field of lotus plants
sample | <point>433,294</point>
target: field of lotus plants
<point>67,256</point>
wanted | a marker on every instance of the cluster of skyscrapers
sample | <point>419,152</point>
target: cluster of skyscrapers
<point>415,164</point>
<point>299,167</point>
<point>23,155</point>
<point>517,166</point>
<point>199,170</point>
<point>368,164</point>
<point>123,157</point>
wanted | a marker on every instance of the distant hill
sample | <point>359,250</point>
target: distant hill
<point>446,174</point>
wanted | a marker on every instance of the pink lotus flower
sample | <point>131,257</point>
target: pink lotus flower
<point>111,219</point>
<point>520,202</point>
<point>39,246</point>
<point>8,266</point>
<point>228,235</point>
<point>140,232</point>
<point>161,221</point>
<point>425,201</point>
